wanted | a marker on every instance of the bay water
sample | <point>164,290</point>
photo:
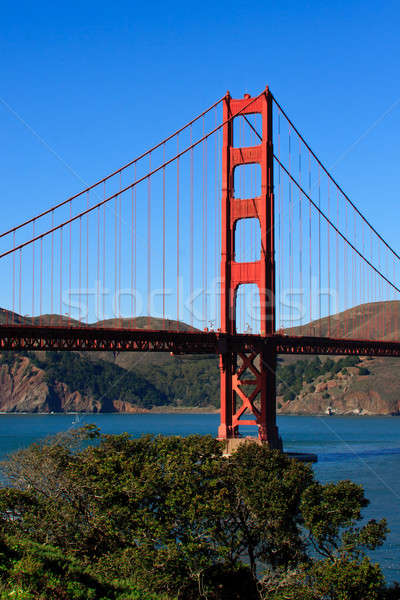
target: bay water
<point>363,449</point>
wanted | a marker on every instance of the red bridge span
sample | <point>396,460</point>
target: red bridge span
<point>229,237</point>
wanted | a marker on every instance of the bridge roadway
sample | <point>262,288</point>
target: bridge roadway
<point>23,337</point>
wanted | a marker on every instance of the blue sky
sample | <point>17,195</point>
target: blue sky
<point>99,82</point>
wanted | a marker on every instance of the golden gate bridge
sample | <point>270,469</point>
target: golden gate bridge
<point>229,237</point>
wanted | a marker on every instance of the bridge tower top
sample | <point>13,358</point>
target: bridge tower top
<point>261,272</point>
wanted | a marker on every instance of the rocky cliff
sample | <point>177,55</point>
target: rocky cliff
<point>25,388</point>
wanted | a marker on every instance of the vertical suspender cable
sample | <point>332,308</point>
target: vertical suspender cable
<point>290,235</point>
<point>33,271</point>
<point>104,251</point>
<point>310,238</point>
<point>115,257</point>
<point>374,293</point>
<point>98,266</point>
<point>280,243</point>
<point>80,269</point>
<point>387,309</point>
<point>163,240</point>
<point>20,283</point>
<point>372,289</point>
<point>133,291</point>
<point>70,265</point>
<point>149,246</point>
<point>61,271</point>
<point>119,249</point>
<point>319,250</point>
<point>394,305</point>
<point>41,281</point>
<point>300,235</point>
<point>52,267</point>
<point>135,246</point>
<point>191,226</point>
<point>329,264</point>
<point>13,292</point>
<point>87,260</point>
<point>215,222</point>
<point>364,297</point>
<point>380,296</point>
<point>354,275</point>
<point>205,230</point>
<point>338,323</point>
<point>345,274</point>
<point>177,235</point>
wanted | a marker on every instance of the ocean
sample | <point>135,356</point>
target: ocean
<point>363,449</point>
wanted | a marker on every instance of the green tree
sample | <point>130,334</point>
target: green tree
<point>32,571</point>
<point>346,579</point>
<point>172,516</point>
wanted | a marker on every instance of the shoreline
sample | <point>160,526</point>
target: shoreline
<point>139,411</point>
<point>186,411</point>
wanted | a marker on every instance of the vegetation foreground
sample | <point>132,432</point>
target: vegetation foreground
<point>91,516</point>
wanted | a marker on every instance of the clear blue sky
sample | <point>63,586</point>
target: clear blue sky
<point>99,82</point>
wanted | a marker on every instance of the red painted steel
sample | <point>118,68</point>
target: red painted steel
<point>241,395</point>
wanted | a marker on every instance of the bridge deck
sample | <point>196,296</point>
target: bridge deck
<point>21,337</point>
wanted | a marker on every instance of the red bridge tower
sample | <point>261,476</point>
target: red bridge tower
<point>248,381</point>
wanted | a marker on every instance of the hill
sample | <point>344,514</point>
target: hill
<point>372,321</point>
<point>9,317</point>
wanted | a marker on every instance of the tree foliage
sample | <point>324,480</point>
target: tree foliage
<point>173,517</point>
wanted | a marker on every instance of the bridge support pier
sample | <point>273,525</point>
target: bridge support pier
<point>248,395</point>
<point>248,379</point>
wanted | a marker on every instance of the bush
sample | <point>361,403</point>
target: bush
<point>39,571</point>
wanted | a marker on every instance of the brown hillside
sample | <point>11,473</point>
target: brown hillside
<point>374,321</point>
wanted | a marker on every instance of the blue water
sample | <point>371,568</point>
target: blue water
<point>363,449</point>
